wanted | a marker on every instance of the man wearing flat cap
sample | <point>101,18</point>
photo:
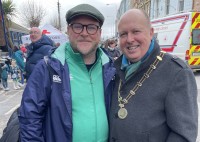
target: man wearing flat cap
<point>71,101</point>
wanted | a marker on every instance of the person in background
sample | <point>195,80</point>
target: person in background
<point>67,98</point>
<point>117,47</point>
<point>15,76</point>
<point>111,49</point>
<point>19,58</point>
<point>155,95</point>
<point>25,54</point>
<point>2,62</point>
<point>8,61</point>
<point>4,75</point>
<point>23,48</point>
<point>39,47</point>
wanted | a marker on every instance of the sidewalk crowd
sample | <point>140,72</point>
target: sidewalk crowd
<point>13,67</point>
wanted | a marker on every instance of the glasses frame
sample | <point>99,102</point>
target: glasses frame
<point>86,26</point>
<point>33,32</point>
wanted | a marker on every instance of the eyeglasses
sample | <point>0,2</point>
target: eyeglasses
<point>78,28</point>
<point>33,32</point>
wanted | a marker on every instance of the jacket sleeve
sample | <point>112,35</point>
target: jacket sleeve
<point>181,108</point>
<point>34,104</point>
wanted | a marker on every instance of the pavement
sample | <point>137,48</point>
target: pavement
<point>9,101</point>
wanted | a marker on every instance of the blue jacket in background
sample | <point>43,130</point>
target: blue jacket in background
<point>5,69</point>
<point>18,56</point>
<point>36,51</point>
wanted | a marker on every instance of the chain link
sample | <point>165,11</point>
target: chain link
<point>139,84</point>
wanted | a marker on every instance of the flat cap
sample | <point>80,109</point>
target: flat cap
<point>85,9</point>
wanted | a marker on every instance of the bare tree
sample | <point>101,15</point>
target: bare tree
<point>32,14</point>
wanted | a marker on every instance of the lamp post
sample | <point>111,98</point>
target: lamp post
<point>59,23</point>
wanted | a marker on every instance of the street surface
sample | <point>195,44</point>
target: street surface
<point>10,100</point>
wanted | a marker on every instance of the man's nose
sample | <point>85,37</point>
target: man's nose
<point>130,37</point>
<point>84,31</point>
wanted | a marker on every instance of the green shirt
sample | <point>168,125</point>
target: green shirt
<point>89,117</point>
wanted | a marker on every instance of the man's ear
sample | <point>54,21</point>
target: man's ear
<point>100,31</point>
<point>152,32</point>
<point>67,32</point>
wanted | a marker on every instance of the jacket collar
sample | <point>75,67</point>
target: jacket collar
<point>146,63</point>
<point>59,53</point>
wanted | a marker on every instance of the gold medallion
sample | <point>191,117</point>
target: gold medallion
<point>122,113</point>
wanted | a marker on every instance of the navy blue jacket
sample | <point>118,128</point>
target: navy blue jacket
<point>47,102</point>
<point>36,51</point>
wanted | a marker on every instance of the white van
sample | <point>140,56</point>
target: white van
<point>180,35</point>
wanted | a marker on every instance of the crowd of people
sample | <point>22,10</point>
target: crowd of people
<point>125,90</point>
<point>9,70</point>
<point>21,64</point>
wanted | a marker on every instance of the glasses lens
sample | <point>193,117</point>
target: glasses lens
<point>77,28</point>
<point>33,32</point>
<point>92,29</point>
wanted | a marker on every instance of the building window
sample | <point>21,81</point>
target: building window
<point>157,9</point>
<point>167,6</point>
<point>181,5</point>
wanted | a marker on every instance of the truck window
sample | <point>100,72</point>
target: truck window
<point>196,36</point>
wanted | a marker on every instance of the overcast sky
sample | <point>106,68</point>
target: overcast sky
<point>107,7</point>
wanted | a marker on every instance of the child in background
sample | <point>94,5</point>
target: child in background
<point>19,58</point>
<point>15,76</point>
<point>4,76</point>
<point>1,64</point>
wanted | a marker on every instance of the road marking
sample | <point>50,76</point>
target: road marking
<point>10,97</point>
<point>12,109</point>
